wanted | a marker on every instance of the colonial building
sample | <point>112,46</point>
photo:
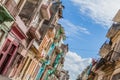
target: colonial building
<point>31,39</point>
<point>13,35</point>
<point>64,75</point>
<point>108,66</point>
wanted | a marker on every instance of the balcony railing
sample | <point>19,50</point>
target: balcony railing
<point>115,56</point>
<point>51,32</point>
<point>100,63</point>
<point>36,45</point>
<point>60,13</point>
<point>113,30</point>
<point>107,60</point>
<point>21,50</point>
<point>21,24</point>
<point>105,49</point>
<point>57,74</point>
<point>34,33</point>
<point>62,60</point>
<point>43,54</point>
<point>45,10</point>
<point>64,48</point>
<point>49,67</point>
<point>58,50</point>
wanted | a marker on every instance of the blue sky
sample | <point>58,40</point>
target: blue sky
<point>86,23</point>
<point>86,45</point>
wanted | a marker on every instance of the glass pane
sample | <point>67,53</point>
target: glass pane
<point>1,55</point>
<point>6,45</point>
<point>12,49</point>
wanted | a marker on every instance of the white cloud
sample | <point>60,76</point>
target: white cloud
<point>101,11</point>
<point>75,64</point>
<point>73,30</point>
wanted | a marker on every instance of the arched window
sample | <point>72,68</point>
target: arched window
<point>116,77</point>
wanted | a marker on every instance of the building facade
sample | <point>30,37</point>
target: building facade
<point>108,66</point>
<point>31,39</point>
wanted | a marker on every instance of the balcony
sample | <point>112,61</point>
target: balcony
<point>28,10</point>
<point>64,48</point>
<point>91,75</point>
<point>21,25</point>
<point>100,63</point>
<point>36,45</point>
<point>115,56</point>
<point>29,42</point>
<point>51,49</point>
<point>43,54</point>
<point>49,67</point>
<point>62,60</point>
<point>58,50</point>
<point>21,50</point>
<point>57,74</point>
<point>33,32</point>
<point>18,32</point>
<point>45,11</point>
<point>12,7</point>
<point>106,61</point>
<point>51,32</point>
<point>43,30</point>
<point>4,14</point>
<point>60,13</point>
<point>56,40</point>
<point>113,30</point>
<point>105,49</point>
<point>117,17</point>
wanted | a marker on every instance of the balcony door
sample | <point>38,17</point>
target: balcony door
<point>8,53</point>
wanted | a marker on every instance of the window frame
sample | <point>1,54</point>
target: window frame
<point>2,32</point>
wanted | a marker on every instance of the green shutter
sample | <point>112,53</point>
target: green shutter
<point>5,15</point>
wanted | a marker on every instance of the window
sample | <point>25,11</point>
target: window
<point>6,45</point>
<point>12,49</point>
<point>1,34</point>
<point>1,55</point>
<point>46,22</point>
